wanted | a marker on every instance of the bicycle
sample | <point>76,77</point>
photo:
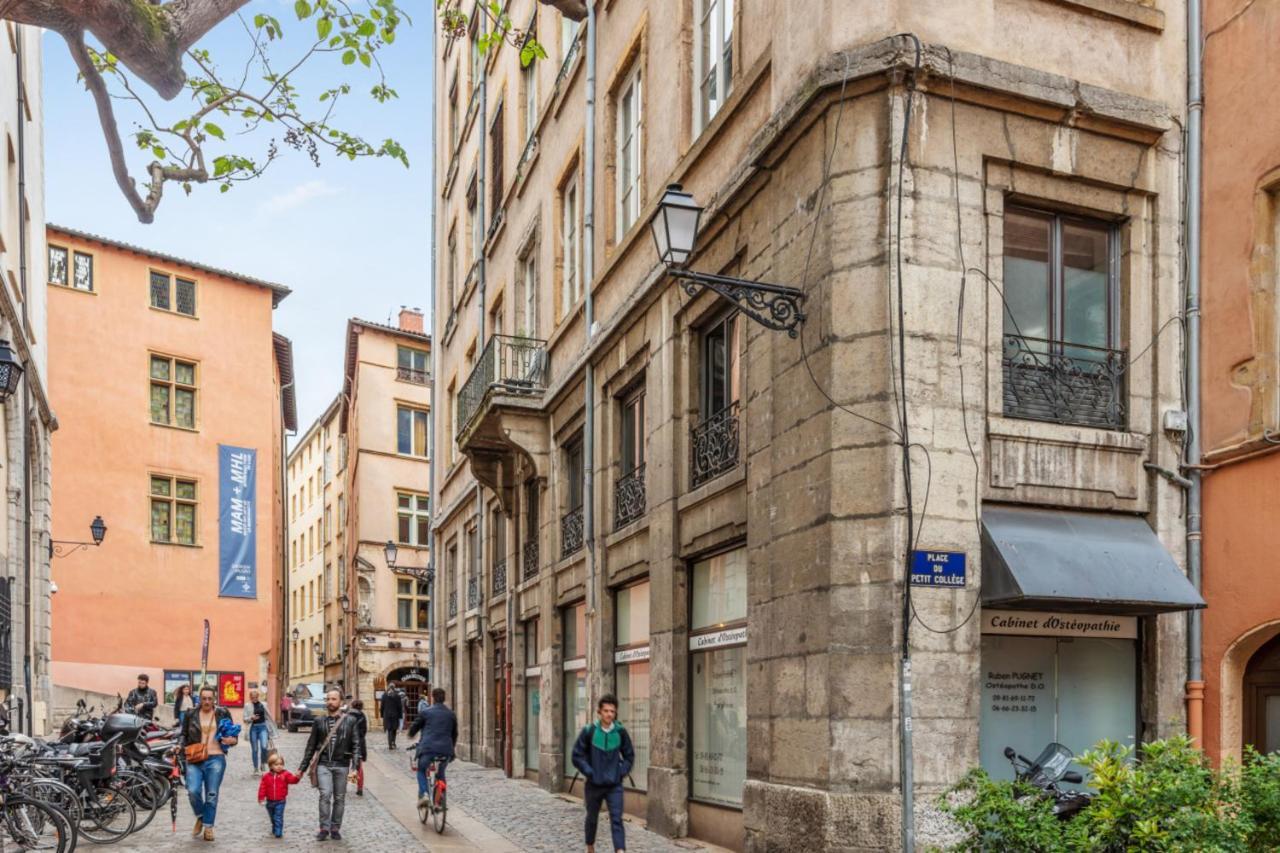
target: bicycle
<point>435,809</point>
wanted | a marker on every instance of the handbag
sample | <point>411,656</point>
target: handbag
<point>198,752</point>
<point>313,774</point>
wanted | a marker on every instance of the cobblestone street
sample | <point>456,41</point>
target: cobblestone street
<point>487,812</point>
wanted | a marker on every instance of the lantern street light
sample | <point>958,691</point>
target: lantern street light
<point>389,551</point>
<point>296,634</point>
<point>63,547</point>
<point>675,235</point>
<point>10,371</point>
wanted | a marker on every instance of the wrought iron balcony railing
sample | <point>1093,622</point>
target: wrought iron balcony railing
<point>571,532</point>
<point>499,577</point>
<point>408,374</point>
<point>1064,383</point>
<point>628,498</point>
<point>714,445</point>
<point>530,556</point>
<point>453,604</point>
<point>473,592</point>
<point>514,364</point>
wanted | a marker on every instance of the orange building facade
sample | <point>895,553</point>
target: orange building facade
<point>1241,369</point>
<point>173,394</point>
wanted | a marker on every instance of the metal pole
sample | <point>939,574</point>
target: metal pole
<point>589,396</point>
<point>1195,117</point>
<point>28,610</point>
<point>431,438</point>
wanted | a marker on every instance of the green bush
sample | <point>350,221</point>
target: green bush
<point>1171,799</point>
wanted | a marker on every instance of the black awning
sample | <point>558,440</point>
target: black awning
<point>1040,559</point>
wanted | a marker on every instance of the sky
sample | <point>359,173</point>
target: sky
<point>350,238</point>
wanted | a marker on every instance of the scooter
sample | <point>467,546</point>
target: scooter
<point>1046,772</point>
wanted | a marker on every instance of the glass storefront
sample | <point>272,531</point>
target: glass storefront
<point>631,657</point>
<point>532,694</point>
<point>718,695</point>
<point>1075,688</point>
<point>576,712</point>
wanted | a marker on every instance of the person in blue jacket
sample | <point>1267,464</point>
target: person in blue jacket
<point>439,727</point>
<point>604,755</point>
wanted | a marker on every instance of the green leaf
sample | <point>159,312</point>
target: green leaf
<point>366,58</point>
<point>348,57</point>
<point>213,130</point>
<point>225,188</point>
<point>158,151</point>
<point>303,9</point>
<point>323,27</point>
<point>367,29</point>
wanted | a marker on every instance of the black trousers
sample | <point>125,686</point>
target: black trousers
<point>392,724</point>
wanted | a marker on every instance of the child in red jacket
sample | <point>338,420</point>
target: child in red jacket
<point>273,790</point>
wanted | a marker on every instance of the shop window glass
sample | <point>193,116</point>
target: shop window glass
<point>532,708</point>
<point>718,695</point>
<point>720,590</point>
<point>575,679</point>
<point>632,676</point>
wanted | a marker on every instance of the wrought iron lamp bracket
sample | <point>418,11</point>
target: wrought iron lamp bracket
<point>61,548</point>
<point>427,574</point>
<point>774,306</point>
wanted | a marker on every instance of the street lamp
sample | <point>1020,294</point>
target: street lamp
<point>344,601</point>
<point>675,235</point>
<point>10,371</point>
<point>315,649</point>
<point>296,634</point>
<point>390,551</point>
<point>63,547</point>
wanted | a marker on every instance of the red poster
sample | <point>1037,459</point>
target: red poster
<point>231,689</point>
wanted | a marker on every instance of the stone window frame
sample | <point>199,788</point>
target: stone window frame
<point>173,500</point>
<point>173,386</point>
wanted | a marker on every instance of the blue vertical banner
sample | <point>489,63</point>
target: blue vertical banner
<point>237,522</point>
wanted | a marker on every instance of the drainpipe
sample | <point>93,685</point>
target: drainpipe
<point>284,551</point>
<point>589,395</point>
<point>1195,119</point>
<point>431,450</point>
<point>477,738</point>
<point>28,620</point>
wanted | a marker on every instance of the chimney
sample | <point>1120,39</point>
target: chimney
<point>410,320</point>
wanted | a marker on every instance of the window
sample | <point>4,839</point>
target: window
<point>720,370</point>
<point>293,551</point>
<point>342,512</point>
<point>411,431</point>
<point>574,621</point>
<point>529,294</point>
<point>568,35</point>
<point>82,271</point>
<point>414,521</point>
<point>173,392</point>
<point>532,694</point>
<point>173,510</point>
<point>573,473</point>
<point>451,274</point>
<point>717,666</point>
<point>170,293</point>
<point>473,569</point>
<point>57,265</point>
<point>453,115</point>
<point>495,160</point>
<point>477,58</point>
<point>529,89</point>
<point>477,228</point>
<point>411,366</point>
<point>628,167</point>
<point>571,258</point>
<point>632,431</point>
<point>498,537</point>
<point>412,603</point>
<point>1061,323</point>
<point>328,523</point>
<point>631,607</point>
<point>712,58</point>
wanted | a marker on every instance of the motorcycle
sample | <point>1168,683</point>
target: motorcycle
<point>1047,773</point>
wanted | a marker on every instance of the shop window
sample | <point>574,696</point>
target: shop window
<point>576,712</point>
<point>1062,357</point>
<point>1070,690</point>
<point>532,694</point>
<point>718,697</point>
<point>631,673</point>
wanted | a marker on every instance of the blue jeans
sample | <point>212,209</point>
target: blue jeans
<point>276,810</point>
<point>258,741</point>
<point>594,796</point>
<point>203,781</point>
<point>422,774</point>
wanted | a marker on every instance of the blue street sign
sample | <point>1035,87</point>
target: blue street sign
<point>938,568</point>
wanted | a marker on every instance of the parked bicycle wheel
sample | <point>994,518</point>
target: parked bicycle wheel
<point>58,794</point>
<point>141,789</point>
<point>33,825</point>
<point>109,815</point>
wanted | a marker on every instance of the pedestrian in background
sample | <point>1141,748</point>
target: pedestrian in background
<point>335,746</point>
<point>392,713</point>
<point>273,790</point>
<point>142,699</point>
<point>604,755</point>
<point>205,752</point>
<point>182,702</point>
<point>255,716</point>
<point>362,723</point>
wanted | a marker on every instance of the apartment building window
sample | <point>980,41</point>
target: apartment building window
<point>529,294</point>
<point>529,91</point>
<point>58,265</point>
<point>473,216</point>
<point>477,58</point>
<point>411,431</point>
<point>82,271</point>
<point>628,123</point>
<point>714,440</point>
<point>451,408</point>
<point>174,502</point>
<point>498,551</point>
<point>414,521</point>
<point>570,247</point>
<point>530,559</point>
<point>328,523</point>
<point>411,365</point>
<point>171,293</point>
<point>712,57</point>
<point>568,35</point>
<point>451,577</point>
<point>496,163</point>
<point>293,553</point>
<point>453,115</point>
<point>1063,361</point>
<point>342,512</point>
<point>173,392</point>
<point>451,274</point>
<point>412,602</point>
<point>629,491</point>
<point>571,527</point>
<point>473,569</point>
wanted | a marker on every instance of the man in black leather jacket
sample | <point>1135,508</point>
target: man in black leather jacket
<point>335,757</point>
<point>142,699</point>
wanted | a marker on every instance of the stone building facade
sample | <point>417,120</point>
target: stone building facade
<point>311,532</point>
<point>639,489</point>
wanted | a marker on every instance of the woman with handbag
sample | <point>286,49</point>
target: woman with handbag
<point>206,759</point>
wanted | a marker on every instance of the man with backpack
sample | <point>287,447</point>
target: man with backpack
<point>603,755</point>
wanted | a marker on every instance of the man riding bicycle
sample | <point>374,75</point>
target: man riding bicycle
<point>439,727</point>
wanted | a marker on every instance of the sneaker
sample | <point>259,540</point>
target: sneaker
<point>335,835</point>
<point>208,833</point>
<point>278,834</point>
<point>424,800</point>
<point>359,792</point>
<point>198,828</point>
<point>322,835</point>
